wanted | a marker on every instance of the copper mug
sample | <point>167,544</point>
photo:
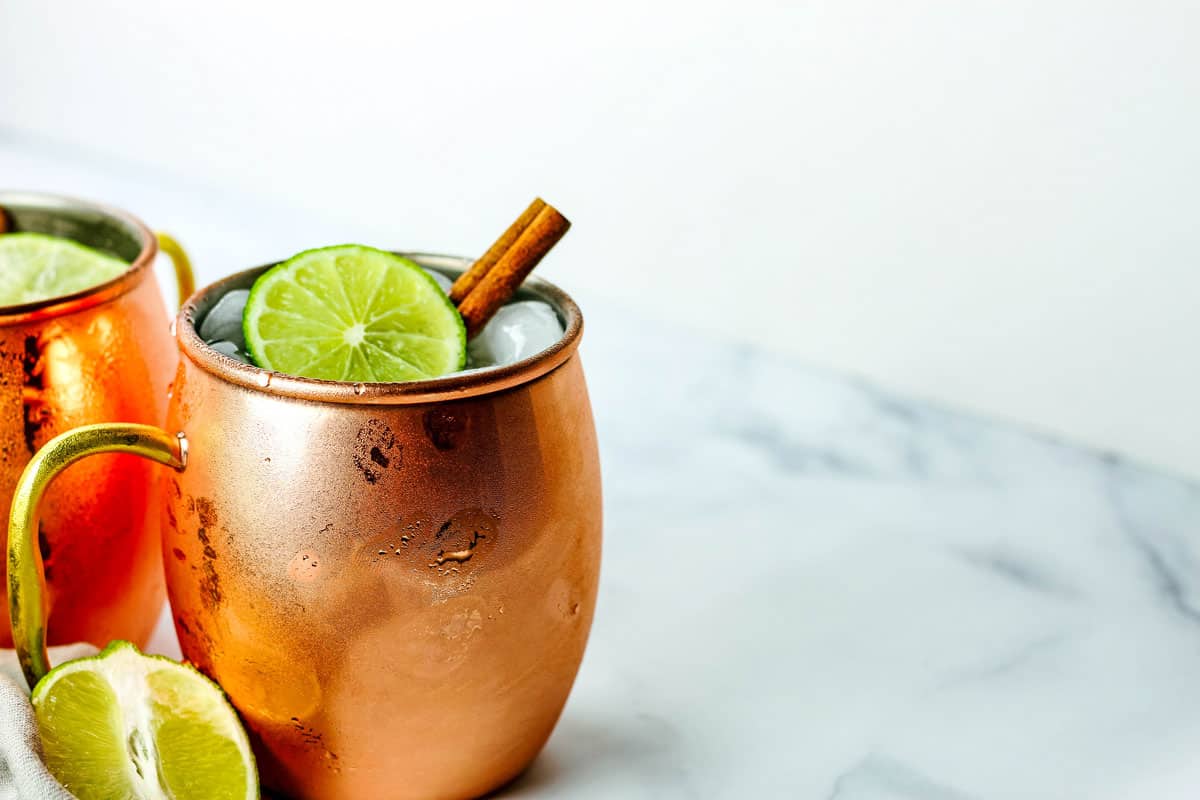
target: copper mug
<point>393,583</point>
<point>104,353</point>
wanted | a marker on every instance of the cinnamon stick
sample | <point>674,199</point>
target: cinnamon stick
<point>3,221</point>
<point>471,278</point>
<point>512,266</point>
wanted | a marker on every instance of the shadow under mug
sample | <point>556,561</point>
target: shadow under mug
<point>393,583</point>
<point>101,354</point>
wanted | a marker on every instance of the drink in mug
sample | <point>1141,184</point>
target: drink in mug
<point>84,338</point>
<point>393,582</point>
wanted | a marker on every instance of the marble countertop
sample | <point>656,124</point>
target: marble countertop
<point>814,588</point>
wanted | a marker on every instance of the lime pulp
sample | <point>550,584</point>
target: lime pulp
<point>353,313</point>
<point>126,725</point>
<point>34,267</point>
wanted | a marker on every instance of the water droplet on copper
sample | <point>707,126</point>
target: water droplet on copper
<point>360,388</point>
<point>171,327</point>
<point>264,380</point>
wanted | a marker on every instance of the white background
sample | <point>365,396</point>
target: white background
<point>995,205</point>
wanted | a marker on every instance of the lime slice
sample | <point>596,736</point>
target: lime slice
<point>35,267</point>
<point>125,725</point>
<point>353,313</point>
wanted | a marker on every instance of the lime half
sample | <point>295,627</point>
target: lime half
<point>125,725</point>
<point>353,313</point>
<point>36,267</point>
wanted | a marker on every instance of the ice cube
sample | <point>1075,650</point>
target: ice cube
<point>223,323</point>
<point>230,349</point>
<point>517,331</point>
<point>441,279</point>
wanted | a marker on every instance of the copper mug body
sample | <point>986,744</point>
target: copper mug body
<point>394,583</point>
<point>101,354</point>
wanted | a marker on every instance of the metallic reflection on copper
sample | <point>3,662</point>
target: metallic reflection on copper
<point>393,583</point>
<point>100,355</point>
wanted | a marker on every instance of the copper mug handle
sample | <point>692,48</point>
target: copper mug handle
<point>26,574</point>
<point>185,279</point>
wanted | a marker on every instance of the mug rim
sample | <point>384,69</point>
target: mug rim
<point>62,305</point>
<point>456,386</point>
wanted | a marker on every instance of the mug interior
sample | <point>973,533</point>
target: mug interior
<point>455,385</point>
<point>83,222</point>
<point>450,266</point>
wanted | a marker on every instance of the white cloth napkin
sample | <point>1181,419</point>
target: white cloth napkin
<point>23,776</point>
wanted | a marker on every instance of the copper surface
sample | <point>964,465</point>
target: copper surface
<point>104,354</point>
<point>394,583</point>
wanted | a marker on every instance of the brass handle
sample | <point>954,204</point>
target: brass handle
<point>185,280</point>
<point>26,575</point>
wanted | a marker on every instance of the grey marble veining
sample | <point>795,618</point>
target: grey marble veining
<point>813,588</point>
